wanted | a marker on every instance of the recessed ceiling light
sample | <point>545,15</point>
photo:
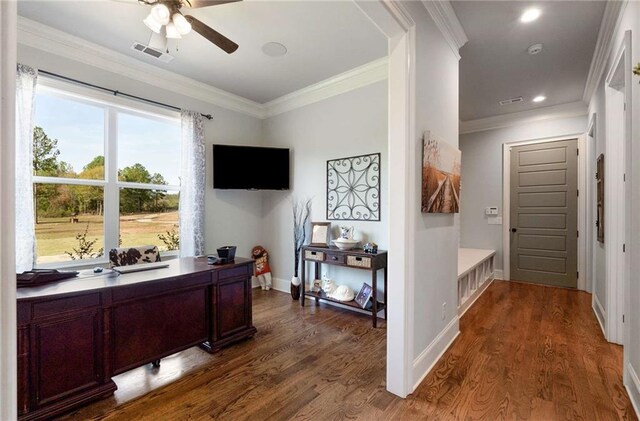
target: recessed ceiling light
<point>274,49</point>
<point>539,98</point>
<point>530,15</point>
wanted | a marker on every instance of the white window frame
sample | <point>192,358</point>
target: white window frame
<point>112,106</point>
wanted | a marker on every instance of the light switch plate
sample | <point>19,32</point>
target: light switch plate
<point>494,220</point>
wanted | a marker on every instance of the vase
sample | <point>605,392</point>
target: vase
<point>295,288</point>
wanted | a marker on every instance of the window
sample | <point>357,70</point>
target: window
<point>106,174</point>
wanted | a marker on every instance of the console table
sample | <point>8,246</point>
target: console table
<point>356,259</point>
<point>75,335</point>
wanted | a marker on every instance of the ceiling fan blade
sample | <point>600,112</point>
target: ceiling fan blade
<point>204,3</point>
<point>214,36</point>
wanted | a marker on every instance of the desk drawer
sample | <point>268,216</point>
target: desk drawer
<point>359,261</point>
<point>318,256</point>
<point>334,258</point>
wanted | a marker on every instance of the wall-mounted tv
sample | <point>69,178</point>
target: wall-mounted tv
<point>250,168</point>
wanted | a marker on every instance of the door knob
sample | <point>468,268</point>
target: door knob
<point>514,229</point>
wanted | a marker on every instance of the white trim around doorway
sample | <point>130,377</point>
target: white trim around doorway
<point>618,192</point>
<point>395,22</point>
<point>506,204</point>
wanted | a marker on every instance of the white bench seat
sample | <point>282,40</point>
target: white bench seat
<point>475,274</point>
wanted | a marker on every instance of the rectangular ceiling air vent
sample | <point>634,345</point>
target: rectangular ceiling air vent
<point>511,101</point>
<point>152,52</point>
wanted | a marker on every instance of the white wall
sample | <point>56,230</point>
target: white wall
<point>482,176</point>
<point>598,107</point>
<point>436,235</point>
<point>8,335</point>
<point>232,217</point>
<point>353,123</point>
<point>630,21</point>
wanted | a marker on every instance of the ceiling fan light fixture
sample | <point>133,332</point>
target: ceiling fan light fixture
<point>181,23</point>
<point>152,23</point>
<point>172,31</point>
<point>161,14</point>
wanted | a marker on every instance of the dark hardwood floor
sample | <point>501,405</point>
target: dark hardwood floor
<point>525,352</point>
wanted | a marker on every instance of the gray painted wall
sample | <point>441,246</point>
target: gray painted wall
<point>436,235</point>
<point>482,176</point>
<point>599,251</point>
<point>353,123</point>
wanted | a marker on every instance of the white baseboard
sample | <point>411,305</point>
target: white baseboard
<point>277,284</point>
<point>633,388</point>
<point>476,294</point>
<point>498,274</point>
<point>283,285</point>
<point>423,364</point>
<point>601,315</point>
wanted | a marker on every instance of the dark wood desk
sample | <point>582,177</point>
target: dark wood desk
<point>356,259</point>
<point>75,335</point>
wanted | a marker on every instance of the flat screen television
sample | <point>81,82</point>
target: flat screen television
<point>250,168</point>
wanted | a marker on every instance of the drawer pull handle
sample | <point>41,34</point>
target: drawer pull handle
<point>334,257</point>
<point>359,259</point>
<point>313,253</point>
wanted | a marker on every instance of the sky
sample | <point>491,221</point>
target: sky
<point>80,131</point>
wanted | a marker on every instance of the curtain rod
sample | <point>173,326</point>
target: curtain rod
<point>116,93</point>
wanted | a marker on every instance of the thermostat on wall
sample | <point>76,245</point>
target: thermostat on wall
<point>491,211</point>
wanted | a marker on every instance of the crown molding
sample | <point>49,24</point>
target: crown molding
<point>604,45</point>
<point>359,77</point>
<point>554,112</point>
<point>45,38</point>
<point>446,20</point>
<point>42,37</point>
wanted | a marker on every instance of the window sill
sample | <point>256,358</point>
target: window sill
<point>92,263</point>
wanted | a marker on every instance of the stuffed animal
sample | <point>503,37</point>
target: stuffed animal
<point>263,271</point>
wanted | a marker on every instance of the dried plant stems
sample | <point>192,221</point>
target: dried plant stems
<point>301,214</point>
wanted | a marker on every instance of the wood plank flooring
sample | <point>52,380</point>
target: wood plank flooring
<point>525,352</point>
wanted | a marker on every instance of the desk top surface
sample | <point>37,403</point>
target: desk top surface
<point>88,281</point>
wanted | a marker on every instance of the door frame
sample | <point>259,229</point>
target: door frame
<point>506,203</point>
<point>394,21</point>
<point>8,324</point>
<point>591,139</point>
<point>619,201</point>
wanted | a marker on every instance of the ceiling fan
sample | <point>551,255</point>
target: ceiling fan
<point>167,13</point>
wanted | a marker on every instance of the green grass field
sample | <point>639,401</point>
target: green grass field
<point>54,236</point>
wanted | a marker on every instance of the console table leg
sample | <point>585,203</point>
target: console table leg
<point>386,302</point>
<point>374,309</point>
<point>303,281</point>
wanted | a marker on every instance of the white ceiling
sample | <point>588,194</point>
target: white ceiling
<point>495,64</point>
<point>323,39</point>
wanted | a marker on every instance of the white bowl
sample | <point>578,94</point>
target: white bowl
<point>345,244</point>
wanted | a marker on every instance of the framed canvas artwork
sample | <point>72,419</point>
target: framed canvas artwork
<point>440,176</point>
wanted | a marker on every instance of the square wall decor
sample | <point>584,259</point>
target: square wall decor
<point>440,176</point>
<point>353,188</point>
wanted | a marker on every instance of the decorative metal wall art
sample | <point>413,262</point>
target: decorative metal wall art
<point>353,188</point>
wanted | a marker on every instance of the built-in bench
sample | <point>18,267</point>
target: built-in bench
<point>475,273</point>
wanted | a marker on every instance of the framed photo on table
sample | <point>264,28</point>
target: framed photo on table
<point>364,295</point>
<point>320,232</point>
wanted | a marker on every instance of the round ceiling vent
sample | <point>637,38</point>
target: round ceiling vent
<point>535,49</point>
<point>274,49</point>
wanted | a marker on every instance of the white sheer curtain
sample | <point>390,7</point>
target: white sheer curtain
<point>25,220</point>
<point>192,182</point>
